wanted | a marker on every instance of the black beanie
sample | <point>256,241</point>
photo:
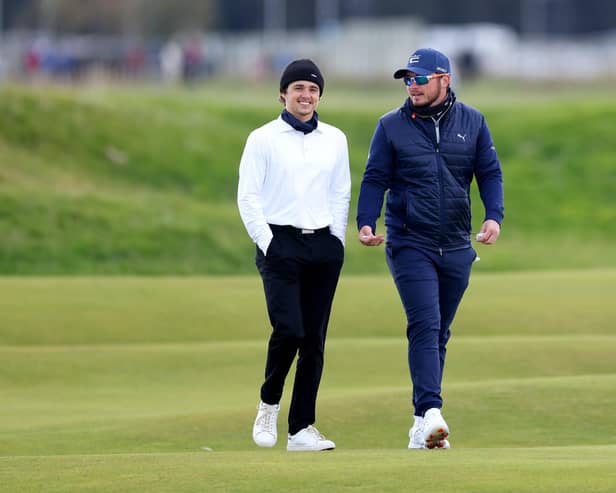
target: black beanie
<point>303,69</point>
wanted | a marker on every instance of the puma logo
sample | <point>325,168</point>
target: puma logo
<point>463,137</point>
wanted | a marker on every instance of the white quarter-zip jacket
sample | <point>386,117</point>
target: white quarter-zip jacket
<point>293,179</point>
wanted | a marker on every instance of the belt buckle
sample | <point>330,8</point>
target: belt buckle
<point>307,231</point>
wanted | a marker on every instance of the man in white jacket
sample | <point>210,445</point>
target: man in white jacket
<point>293,195</point>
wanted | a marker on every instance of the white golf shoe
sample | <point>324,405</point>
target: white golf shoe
<point>435,430</point>
<point>264,431</point>
<point>416,439</point>
<point>309,440</point>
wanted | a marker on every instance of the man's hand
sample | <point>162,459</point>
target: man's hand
<point>490,230</point>
<point>368,239</point>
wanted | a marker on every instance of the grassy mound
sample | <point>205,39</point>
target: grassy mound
<point>144,181</point>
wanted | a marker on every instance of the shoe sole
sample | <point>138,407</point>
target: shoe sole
<point>309,449</point>
<point>437,441</point>
<point>440,445</point>
<point>435,438</point>
<point>435,445</point>
<point>264,445</point>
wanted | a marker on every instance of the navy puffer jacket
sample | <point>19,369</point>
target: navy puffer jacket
<point>427,167</point>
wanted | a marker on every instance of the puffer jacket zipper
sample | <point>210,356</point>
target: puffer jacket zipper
<point>440,181</point>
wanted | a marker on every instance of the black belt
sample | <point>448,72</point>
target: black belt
<point>299,231</point>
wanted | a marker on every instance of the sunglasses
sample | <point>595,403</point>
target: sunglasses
<point>421,80</point>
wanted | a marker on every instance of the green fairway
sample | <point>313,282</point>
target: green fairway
<point>140,384</point>
<point>148,384</point>
<point>536,470</point>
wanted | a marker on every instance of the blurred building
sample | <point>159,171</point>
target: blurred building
<point>525,17</point>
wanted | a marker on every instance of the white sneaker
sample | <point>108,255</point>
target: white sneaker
<point>416,439</point>
<point>264,431</point>
<point>309,440</point>
<point>435,430</point>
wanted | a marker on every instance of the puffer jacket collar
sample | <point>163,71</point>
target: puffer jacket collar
<point>434,112</point>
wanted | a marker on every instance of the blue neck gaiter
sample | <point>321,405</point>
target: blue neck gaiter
<point>305,127</point>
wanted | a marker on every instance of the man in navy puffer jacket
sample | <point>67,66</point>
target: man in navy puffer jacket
<point>425,155</point>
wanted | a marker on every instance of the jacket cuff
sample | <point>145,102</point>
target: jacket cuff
<point>362,222</point>
<point>494,217</point>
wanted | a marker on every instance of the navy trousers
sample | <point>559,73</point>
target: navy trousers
<point>431,286</point>
<point>300,274</point>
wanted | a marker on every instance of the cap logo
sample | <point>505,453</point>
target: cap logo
<point>313,75</point>
<point>414,59</point>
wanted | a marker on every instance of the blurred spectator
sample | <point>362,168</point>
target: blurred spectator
<point>172,61</point>
<point>468,65</point>
<point>193,58</point>
<point>32,61</point>
<point>135,59</point>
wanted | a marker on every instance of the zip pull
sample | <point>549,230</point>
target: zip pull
<point>438,134</point>
<point>440,252</point>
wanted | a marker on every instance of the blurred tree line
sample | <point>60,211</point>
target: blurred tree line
<point>135,17</point>
<point>164,17</point>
